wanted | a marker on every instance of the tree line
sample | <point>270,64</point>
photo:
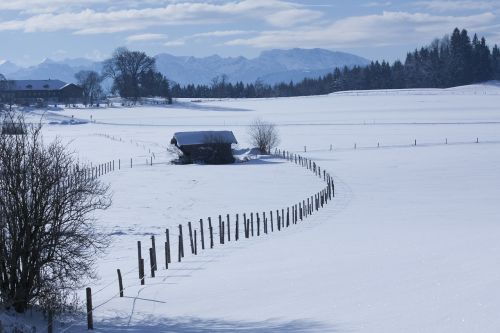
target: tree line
<point>134,76</point>
<point>450,61</point>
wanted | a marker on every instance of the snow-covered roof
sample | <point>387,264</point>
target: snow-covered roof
<point>28,85</point>
<point>200,137</point>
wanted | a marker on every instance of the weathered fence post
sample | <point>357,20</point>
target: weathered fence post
<point>251,221</point>
<point>223,232</point>
<point>167,232</point>
<point>195,243</point>
<point>211,232</point>
<point>265,222</point>
<point>50,322</point>
<point>141,271</point>
<point>90,320</point>
<point>179,248</point>
<point>167,254</point>
<point>283,218</point>
<point>153,246</point>
<point>272,227</point>
<point>287,217</point>
<point>191,237</point>
<point>202,236</point>
<point>237,232</point>
<point>278,220</point>
<point>131,163</point>
<point>258,224</point>
<point>181,239</point>
<point>245,225</point>
<point>139,256</point>
<point>119,164</point>
<point>228,229</point>
<point>120,282</point>
<point>152,262</point>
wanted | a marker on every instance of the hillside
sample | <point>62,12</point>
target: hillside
<point>408,244</point>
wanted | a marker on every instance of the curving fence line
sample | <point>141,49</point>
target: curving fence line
<point>192,239</point>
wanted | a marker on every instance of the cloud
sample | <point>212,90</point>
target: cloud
<point>91,21</point>
<point>210,34</point>
<point>388,28</point>
<point>378,4</point>
<point>178,42</point>
<point>291,17</point>
<point>457,5</point>
<point>220,33</point>
<point>145,37</point>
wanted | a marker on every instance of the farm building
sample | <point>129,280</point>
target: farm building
<point>211,147</point>
<point>40,92</point>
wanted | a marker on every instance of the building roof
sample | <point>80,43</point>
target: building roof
<point>30,85</point>
<point>201,137</point>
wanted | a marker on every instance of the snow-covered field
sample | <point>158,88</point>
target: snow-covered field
<point>409,244</point>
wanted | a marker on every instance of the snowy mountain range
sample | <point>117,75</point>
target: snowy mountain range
<point>270,67</point>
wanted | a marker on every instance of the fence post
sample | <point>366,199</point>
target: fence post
<point>181,238</point>
<point>141,271</point>
<point>120,282</point>
<point>179,248</point>
<point>202,236</point>
<point>167,254</point>
<point>139,256</point>
<point>287,217</point>
<point>251,220</point>
<point>228,229</point>
<point>151,262</point>
<point>119,164</point>
<point>153,246</point>
<point>272,227</point>
<point>169,259</point>
<point>50,322</point>
<point>211,233</point>
<point>195,243</point>
<point>278,220</point>
<point>258,224</point>
<point>237,232</point>
<point>265,222</point>
<point>90,320</point>
<point>223,232</point>
<point>245,225</point>
<point>131,163</point>
<point>191,237</point>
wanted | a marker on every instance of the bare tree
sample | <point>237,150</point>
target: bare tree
<point>263,135</point>
<point>90,81</point>
<point>48,238</point>
<point>6,94</point>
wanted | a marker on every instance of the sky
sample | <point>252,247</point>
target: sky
<point>32,30</point>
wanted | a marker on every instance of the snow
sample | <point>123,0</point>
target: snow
<point>200,137</point>
<point>409,243</point>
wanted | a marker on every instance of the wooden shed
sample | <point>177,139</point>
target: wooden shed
<point>210,147</point>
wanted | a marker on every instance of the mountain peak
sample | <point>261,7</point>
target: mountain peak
<point>272,66</point>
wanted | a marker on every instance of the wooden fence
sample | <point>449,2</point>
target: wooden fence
<point>202,236</point>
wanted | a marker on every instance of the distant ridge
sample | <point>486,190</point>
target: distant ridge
<point>270,67</point>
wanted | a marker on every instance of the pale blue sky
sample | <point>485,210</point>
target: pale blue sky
<point>31,30</point>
